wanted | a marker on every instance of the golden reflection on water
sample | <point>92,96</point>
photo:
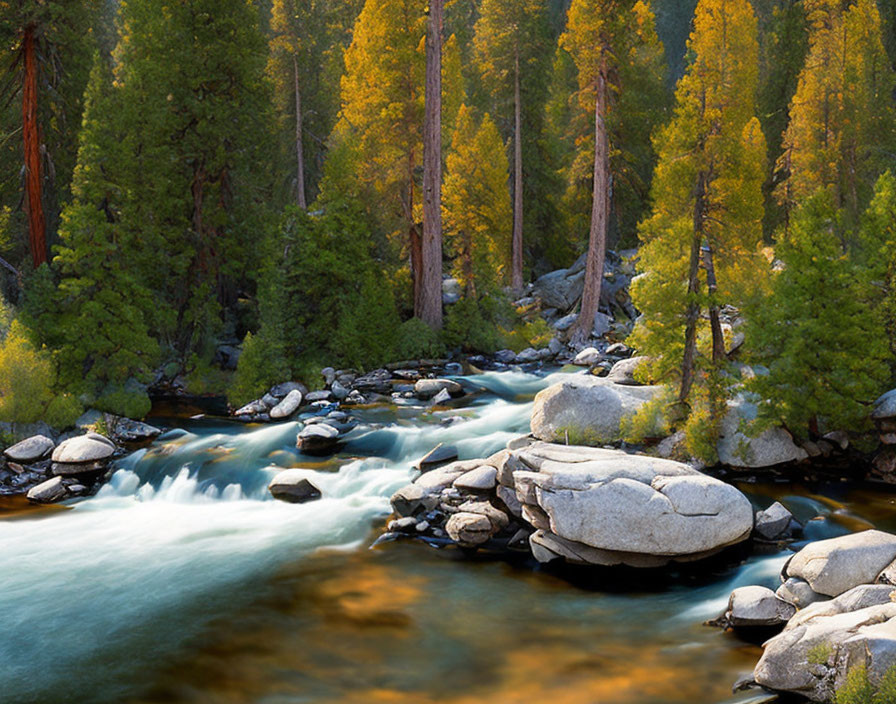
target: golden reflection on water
<point>395,626</point>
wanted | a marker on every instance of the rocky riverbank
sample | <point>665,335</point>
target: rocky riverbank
<point>835,611</point>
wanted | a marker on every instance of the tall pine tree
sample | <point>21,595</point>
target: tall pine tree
<point>700,243</point>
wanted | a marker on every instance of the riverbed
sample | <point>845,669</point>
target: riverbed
<point>182,580</point>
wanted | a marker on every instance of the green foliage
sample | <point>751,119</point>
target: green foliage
<point>842,126</point>
<point>707,410</point>
<point>469,325</point>
<point>365,337</point>
<point>124,401</point>
<point>858,688</point>
<point>416,340</point>
<point>534,333</point>
<point>63,410</point>
<point>819,654</point>
<point>820,312</point>
<point>650,420</point>
<point>476,205</point>
<point>257,370</point>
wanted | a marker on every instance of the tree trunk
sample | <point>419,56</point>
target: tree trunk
<point>414,239</point>
<point>516,244</point>
<point>689,359</point>
<point>300,154</point>
<point>430,303</point>
<point>31,137</point>
<point>718,338</point>
<point>600,206</point>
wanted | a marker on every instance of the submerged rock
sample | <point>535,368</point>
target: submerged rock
<point>427,388</point>
<point>319,437</point>
<point>586,409</point>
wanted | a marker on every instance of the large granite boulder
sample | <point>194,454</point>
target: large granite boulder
<point>625,370</point>
<point>628,506</point>
<point>738,449</point>
<point>586,410</point>
<point>834,566</point>
<point>825,641</point>
<point>428,388</point>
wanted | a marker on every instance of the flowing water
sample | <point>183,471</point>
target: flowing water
<point>182,580</point>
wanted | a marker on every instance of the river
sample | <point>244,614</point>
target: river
<point>182,580</point>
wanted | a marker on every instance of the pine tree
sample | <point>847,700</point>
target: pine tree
<point>875,254</point>
<point>700,243</point>
<point>615,48</point>
<point>306,59</point>
<point>98,326</point>
<point>194,105</point>
<point>378,139</point>
<point>841,130</point>
<point>477,205</point>
<point>510,41</point>
<point>820,309</point>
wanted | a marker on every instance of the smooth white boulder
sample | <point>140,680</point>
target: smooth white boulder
<point>757,606</point>
<point>427,388</point>
<point>834,566</point>
<point>613,501</point>
<point>293,486</point>
<point>84,448</point>
<point>47,492</point>
<point>289,405</point>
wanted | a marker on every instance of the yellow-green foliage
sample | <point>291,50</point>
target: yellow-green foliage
<point>650,420</point>
<point>858,688</point>
<point>819,654</point>
<point>841,127</point>
<point>536,333</point>
<point>477,204</point>
<point>27,377</point>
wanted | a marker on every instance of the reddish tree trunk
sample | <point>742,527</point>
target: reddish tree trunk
<point>31,137</point>
<point>516,242</point>
<point>430,300</point>
<point>300,153</point>
<point>597,240</point>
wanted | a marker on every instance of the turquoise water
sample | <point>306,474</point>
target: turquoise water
<point>183,581</point>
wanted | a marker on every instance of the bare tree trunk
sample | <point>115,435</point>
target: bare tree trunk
<point>414,239</point>
<point>516,243</point>
<point>600,206</point>
<point>430,302</point>
<point>692,316</point>
<point>31,138</point>
<point>718,338</point>
<point>300,153</point>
